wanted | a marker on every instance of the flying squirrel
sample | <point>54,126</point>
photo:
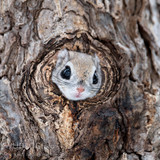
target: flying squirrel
<point>77,75</point>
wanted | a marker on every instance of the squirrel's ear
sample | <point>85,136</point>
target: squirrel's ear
<point>96,59</point>
<point>63,56</point>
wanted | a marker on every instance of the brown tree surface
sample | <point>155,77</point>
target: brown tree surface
<point>122,122</point>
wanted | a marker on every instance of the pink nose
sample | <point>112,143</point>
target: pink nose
<point>80,89</point>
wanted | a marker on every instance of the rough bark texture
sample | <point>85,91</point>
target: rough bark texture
<point>122,122</point>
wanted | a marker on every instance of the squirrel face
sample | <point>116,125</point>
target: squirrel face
<point>77,75</point>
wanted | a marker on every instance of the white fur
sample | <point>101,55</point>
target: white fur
<point>69,87</point>
<point>70,93</point>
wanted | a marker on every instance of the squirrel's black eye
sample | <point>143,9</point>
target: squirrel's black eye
<point>95,78</point>
<point>66,73</point>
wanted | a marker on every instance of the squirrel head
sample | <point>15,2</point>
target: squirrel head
<point>77,75</point>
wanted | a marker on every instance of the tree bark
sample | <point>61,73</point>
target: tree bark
<point>121,122</point>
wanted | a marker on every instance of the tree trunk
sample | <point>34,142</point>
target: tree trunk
<point>121,122</point>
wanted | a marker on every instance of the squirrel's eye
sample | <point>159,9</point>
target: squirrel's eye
<point>95,78</point>
<point>66,73</point>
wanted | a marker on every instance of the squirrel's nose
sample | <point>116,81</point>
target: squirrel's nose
<point>80,89</point>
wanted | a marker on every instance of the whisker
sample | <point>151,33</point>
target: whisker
<point>60,81</point>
